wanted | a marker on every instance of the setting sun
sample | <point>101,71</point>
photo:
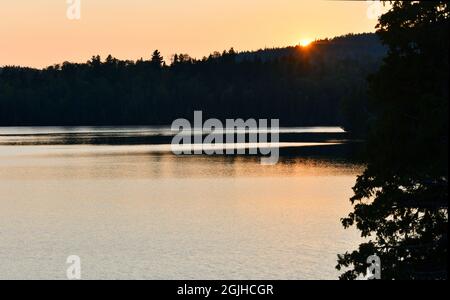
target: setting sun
<point>224,148</point>
<point>305,42</point>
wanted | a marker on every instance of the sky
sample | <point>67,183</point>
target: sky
<point>38,33</point>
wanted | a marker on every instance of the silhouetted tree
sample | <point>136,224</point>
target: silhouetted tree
<point>175,59</point>
<point>157,60</point>
<point>401,199</point>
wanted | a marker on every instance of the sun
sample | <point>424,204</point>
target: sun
<point>305,42</point>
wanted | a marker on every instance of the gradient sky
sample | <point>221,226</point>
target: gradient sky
<point>38,33</point>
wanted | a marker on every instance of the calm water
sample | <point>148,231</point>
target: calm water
<point>132,210</point>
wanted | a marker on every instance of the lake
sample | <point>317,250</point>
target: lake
<point>130,209</point>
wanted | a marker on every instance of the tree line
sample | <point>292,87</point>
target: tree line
<point>322,84</point>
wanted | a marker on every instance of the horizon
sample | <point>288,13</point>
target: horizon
<point>168,60</point>
<point>234,143</point>
<point>134,29</point>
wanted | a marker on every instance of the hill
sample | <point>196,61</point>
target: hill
<point>322,84</point>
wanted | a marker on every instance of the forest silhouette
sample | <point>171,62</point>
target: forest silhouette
<point>322,84</point>
<point>400,201</point>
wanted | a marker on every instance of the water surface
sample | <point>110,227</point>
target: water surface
<point>132,210</point>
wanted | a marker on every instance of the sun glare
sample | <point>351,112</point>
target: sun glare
<point>305,42</point>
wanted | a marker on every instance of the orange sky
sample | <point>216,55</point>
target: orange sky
<point>38,33</point>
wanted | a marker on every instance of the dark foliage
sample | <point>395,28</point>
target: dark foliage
<point>401,200</point>
<point>323,84</point>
